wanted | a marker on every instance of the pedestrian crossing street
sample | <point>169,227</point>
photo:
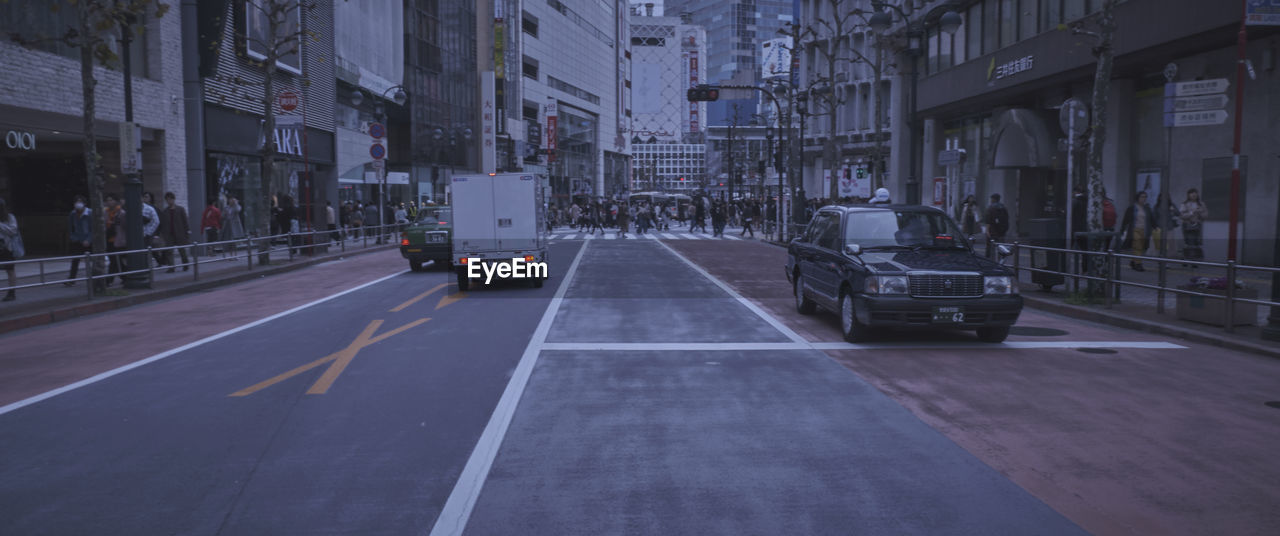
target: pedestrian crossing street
<point>730,233</point>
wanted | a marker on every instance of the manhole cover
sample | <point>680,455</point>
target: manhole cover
<point>1274,404</point>
<point>1096,350</point>
<point>1029,331</point>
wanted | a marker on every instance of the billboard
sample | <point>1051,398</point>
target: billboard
<point>776,54</point>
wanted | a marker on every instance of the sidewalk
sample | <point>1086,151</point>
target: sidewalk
<point>1136,308</point>
<point>57,302</point>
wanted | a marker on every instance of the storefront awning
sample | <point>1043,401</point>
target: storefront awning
<point>1022,139</point>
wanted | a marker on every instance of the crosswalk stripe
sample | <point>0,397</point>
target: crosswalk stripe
<point>650,236</point>
<point>731,237</point>
<point>590,237</point>
<point>668,236</point>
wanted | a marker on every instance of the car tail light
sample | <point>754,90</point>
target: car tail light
<point>443,222</point>
<point>404,241</point>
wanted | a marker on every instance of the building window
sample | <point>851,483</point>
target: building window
<point>1027,13</point>
<point>944,50</point>
<point>529,24</point>
<point>1008,22</point>
<point>932,65</point>
<point>990,26</point>
<point>288,38</point>
<point>1072,10</point>
<point>529,67</point>
<point>1050,14</point>
<point>957,46</point>
<point>973,31</point>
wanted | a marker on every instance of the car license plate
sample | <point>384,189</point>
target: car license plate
<point>415,251</point>
<point>435,238</point>
<point>948,315</point>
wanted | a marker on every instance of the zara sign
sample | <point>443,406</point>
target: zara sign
<point>16,139</point>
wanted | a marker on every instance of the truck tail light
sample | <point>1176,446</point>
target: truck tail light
<point>528,258</point>
<point>463,261</point>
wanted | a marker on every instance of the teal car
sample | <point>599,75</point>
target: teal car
<point>430,238</point>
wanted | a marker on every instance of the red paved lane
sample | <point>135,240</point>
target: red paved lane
<point>41,359</point>
<point>1139,441</point>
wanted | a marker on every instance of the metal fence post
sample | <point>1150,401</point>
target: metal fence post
<point>1231,296</point>
<point>88,273</point>
<point>1111,271</point>
<point>366,237</point>
<point>151,269</point>
<point>290,240</point>
<point>248,252</point>
<point>41,271</point>
<point>195,261</point>
<point>1017,262</point>
<point>1160,268</point>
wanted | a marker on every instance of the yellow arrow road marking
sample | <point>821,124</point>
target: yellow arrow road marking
<point>340,360</point>
<point>450,298</point>
<point>419,297</point>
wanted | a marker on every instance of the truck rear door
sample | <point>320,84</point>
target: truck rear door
<point>473,214</point>
<point>515,199</point>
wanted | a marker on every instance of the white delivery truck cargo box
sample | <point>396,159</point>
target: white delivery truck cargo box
<point>497,219</point>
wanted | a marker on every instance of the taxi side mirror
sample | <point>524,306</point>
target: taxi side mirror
<point>852,249</point>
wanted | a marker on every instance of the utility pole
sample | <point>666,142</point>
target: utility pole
<point>133,183</point>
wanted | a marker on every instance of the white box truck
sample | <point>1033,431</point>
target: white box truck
<point>499,228</point>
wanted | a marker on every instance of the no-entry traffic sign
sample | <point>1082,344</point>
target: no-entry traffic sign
<point>288,101</point>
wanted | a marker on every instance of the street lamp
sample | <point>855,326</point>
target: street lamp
<point>881,21</point>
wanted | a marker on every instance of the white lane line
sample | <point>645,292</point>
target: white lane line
<point>671,346</point>
<point>462,500</point>
<point>167,353</point>
<point>778,346</point>
<point>745,302</point>
<point>1008,345</point>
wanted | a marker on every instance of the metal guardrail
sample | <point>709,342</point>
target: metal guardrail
<point>261,246</point>
<point>1112,281</point>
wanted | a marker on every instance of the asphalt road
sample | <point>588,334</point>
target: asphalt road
<point>649,388</point>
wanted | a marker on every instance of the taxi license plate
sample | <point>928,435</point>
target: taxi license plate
<point>948,315</point>
<point>435,238</point>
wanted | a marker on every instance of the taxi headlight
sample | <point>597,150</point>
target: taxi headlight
<point>886,284</point>
<point>998,284</point>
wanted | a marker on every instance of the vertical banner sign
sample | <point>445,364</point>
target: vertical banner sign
<point>939,191</point>
<point>499,69</point>
<point>130,148</point>
<point>693,81</point>
<point>549,140</point>
<point>488,115</point>
<point>826,182</point>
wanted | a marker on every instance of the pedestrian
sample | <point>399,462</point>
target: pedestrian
<point>331,220</point>
<point>402,215</point>
<point>357,220</point>
<point>174,230</point>
<point>717,218</point>
<point>287,220</point>
<point>211,222</point>
<point>699,215</point>
<point>79,235</point>
<point>970,217</point>
<point>1193,214</point>
<point>11,248</point>
<point>232,227</point>
<point>624,219</point>
<point>117,240</point>
<point>1136,227</point>
<point>371,225</point>
<point>748,217</point>
<point>997,222</point>
<point>151,224</point>
<point>575,213</point>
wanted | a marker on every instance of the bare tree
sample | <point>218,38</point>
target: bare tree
<point>1105,52</point>
<point>97,24</point>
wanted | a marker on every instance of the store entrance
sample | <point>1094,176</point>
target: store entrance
<point>1041,196</point>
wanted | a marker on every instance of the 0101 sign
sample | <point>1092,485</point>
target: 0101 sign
<point>21,140</point>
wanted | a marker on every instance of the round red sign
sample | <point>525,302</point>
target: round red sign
<point>288,101</point>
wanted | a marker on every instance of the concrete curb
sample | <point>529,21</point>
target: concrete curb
<point>1112,319</point>
<point>102,305</point>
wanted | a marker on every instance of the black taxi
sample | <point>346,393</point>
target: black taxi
<point>899,266</point>
<point>429,238</point>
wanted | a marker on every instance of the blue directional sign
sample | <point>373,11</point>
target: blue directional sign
<point>1262,13</point>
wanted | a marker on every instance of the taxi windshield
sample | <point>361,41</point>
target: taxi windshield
<point>435,214</point>
<point>884,229</point>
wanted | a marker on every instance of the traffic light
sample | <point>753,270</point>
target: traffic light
<point>703,93</point>
<point>862,173</point>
